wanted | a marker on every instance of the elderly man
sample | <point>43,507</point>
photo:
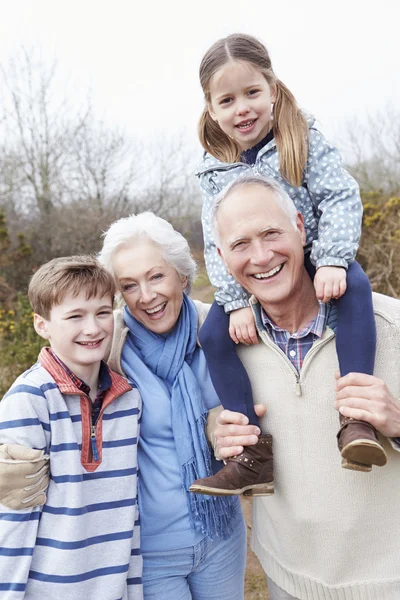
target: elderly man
<point>326,533</point>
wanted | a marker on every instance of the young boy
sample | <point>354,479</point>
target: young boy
<point>84,542</point>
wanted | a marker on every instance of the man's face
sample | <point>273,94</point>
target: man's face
<point>261,247</point>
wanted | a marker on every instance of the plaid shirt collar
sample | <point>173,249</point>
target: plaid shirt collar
<point>316,326</point>
<point>104,377</point>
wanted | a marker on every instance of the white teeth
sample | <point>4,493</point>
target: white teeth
<point>269,274</point>
<point>246,124</point>
<point>150,311</point>
<point>90,343</point>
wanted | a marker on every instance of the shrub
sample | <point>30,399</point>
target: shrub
<point>19,343</point>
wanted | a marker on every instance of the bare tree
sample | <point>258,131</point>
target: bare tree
<point>374,148</point>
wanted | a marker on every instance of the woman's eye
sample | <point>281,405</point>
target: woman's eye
<point>157,276</point>
<point>127,287</point>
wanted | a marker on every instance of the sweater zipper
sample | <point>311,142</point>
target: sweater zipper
<point>313,350</point>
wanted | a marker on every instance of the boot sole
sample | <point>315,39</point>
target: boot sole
<point>366,452</point>
<point>258,489</point>
<point>355,466</point>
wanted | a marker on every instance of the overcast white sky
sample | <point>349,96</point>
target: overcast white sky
<point>140,57</point>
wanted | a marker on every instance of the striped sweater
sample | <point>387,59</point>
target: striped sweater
<point>84,542</point>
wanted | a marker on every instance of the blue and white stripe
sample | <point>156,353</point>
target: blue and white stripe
<point>84,543</point>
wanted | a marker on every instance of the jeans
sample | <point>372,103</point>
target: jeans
<point>277,593</point>
<point>211,569</point>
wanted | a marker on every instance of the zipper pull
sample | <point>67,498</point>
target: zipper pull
<point>94,444</point>
<point>298,387</point>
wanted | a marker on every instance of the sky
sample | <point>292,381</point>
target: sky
<point>140,58</point>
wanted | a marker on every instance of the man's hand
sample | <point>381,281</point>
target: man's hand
<point>242,327</point>
<point>367,398</point>
<point>232,432</point>
<point>24,476</point>
<point>330,282</point>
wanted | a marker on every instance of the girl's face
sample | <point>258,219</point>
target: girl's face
<point>241,102</point>
<point>151,288</point>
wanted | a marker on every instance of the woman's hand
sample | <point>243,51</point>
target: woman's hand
<point>24,476</point>
<point>330,282</point>
<point>242,327</point>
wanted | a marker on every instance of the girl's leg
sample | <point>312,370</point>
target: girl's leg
<point>220,567</point>
<point>227,372</point>
<point>356,332</point>
<point>356,345</point>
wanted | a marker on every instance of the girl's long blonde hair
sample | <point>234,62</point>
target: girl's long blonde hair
<point>289,125</point>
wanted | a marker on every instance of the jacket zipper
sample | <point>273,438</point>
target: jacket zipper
<point>93,428</point>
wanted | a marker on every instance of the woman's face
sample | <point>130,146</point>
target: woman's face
<point>151,288</point>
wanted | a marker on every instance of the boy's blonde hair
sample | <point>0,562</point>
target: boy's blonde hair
<point>68,275</point>
<point>289,125</point>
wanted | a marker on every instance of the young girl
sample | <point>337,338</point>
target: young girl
<point>251,123</point>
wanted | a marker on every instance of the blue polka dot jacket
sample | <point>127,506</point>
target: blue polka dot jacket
<point>329,200</point>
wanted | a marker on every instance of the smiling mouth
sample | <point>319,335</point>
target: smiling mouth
<point>268,274</point>
<point>90,344</point>
<point>246,124</point>
<point>156,310</point>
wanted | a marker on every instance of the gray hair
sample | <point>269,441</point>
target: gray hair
<point>280,195</point>
<point>173,246</point>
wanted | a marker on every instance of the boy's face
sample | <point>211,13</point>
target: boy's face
<point>79,330</point>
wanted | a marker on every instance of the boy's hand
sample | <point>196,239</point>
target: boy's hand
<point>330,282</point>
<point>242,327</point>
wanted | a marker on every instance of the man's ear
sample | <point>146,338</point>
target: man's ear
<point>301,228</point>
<point>223,259</point>
<point>40,325</point>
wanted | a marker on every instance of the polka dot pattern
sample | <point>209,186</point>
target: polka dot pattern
<point>329,201</point>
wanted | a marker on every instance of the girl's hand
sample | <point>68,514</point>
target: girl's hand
<point>242,327</point>
<point>330,282</point>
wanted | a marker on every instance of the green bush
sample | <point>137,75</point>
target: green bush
<point>19,343</point>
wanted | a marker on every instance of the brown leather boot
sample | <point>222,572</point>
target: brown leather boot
<point>251,471</point>
<point>359,445</point>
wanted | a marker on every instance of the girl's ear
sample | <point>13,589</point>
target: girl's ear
<point>273,91</point>
<point>211,113</point>
<point>40,325</point>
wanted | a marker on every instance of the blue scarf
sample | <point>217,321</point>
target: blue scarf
<point>170,358</point>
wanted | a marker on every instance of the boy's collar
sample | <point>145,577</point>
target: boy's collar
<point>66,380</point>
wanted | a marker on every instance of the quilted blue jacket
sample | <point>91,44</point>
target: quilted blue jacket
<point>329,200</point>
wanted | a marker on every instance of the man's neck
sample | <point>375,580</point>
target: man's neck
<point>296,312</point>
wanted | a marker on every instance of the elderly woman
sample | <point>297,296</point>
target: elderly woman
<point>193,546</point>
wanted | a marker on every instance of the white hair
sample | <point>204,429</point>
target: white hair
<point>279,194</point>
<point>173,246</point>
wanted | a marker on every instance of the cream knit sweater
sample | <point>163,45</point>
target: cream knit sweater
<point>327,533</point>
